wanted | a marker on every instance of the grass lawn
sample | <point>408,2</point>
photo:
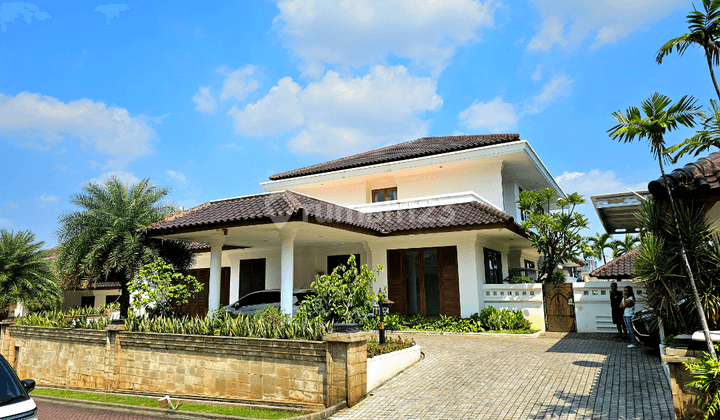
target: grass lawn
<point>152,402</point>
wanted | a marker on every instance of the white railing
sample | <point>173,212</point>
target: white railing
<point>527,297</point>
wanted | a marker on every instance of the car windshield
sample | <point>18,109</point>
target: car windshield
<point>11,390</point>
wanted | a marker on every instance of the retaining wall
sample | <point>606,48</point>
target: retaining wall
<point>304,373</point>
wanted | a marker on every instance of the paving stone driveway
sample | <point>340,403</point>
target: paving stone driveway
<point>554,376</point>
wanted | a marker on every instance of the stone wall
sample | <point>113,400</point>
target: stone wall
<point>304,373</point>
<point>685,399</point>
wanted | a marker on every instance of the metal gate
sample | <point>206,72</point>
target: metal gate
<point>559,307</point>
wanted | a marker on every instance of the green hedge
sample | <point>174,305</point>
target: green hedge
<point>488,320</point>
<point>72,318</point>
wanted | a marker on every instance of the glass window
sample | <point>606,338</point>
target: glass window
<point>493,267</point>
<point>111,299</point>
<point>385,194</point>
<point>87,301</point>
<point>412,277</point>
<point>12,391</point>
<point>529,264</point>
<point>432,284</point>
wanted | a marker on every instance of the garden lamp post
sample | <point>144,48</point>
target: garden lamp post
<point>383,308</point>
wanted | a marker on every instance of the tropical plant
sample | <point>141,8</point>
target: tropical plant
<point>704,32</point>
<point>488,320</point>
<point>705,139</point>
<point>345,295</point>
<point>660,268</point>
<point>556,232</point>
<point>706,378</point>
<point>598,244</point>
<point>25,273</point>
<point>622,247</point>
<point>662,116</point>
<point>158,288</point>
<point>104,241</point>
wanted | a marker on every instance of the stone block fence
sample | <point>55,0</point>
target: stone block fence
<point>308,374</point>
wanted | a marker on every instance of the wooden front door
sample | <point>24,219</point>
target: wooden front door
<point>197,305</point>
<point>424,281</point>
<point>559,307</point>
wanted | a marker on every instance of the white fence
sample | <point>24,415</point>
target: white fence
<point>592,302</point>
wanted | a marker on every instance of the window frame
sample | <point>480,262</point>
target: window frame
<point>494,274</point>
<point>385,192</point>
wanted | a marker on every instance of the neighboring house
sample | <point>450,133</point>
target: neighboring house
<point>439,214</point>
<point>698,182</point>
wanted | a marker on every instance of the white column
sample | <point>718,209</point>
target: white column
<point>216,244</point>
<point>287,268</point>
<point>234,277</point>
<point>470,282</point>
<point>377,254</point>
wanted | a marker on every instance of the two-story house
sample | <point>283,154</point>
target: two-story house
<point>439,214</point>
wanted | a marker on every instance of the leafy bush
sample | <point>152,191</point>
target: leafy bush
<point>158,288</point>
<point>490,319</point>
<point>268,323</point>
<point>557,277</point>
<point>345,295</point>
<point>72,318</point>
<point>518,280</point>
<point>706,372</point>
<point>375,349</point>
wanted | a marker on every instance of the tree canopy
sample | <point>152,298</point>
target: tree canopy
<point>104,240</point>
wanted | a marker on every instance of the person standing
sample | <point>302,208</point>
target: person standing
<point>628,304</point>
<point>616,298</point>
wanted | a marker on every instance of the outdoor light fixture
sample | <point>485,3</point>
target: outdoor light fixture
<point>380,310</point>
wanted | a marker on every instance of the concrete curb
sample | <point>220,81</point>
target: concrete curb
<point>474,334</point>
<point>172,414</point>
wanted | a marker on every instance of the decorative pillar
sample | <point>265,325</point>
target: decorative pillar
<point>234,277</point>
<point>377,254</point>
<point>287,256</point>
<point>216,245</point>
<point>471,285</point>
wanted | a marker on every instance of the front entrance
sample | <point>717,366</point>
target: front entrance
<point>424,281</point>
<point>559,307</point>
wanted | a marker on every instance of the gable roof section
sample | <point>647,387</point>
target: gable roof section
<point>697,178</point>
<point>622,267</point>
<point>426,146</point>
<point>286,206</point>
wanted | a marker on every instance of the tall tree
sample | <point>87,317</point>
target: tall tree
<point>557,231</point>
<point>25,272</point>
<point>599,243</point>
<point>704,26</point>
<point>705,139</point>
<point>662,116</point>
<point>627,244</point>
<point>104,241</point>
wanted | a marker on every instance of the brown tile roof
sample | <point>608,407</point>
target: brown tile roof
<point>622,267</point>
<point>281,206</point>
<point>262,208</point>
<point>426,146</point>
<point>698,177</point>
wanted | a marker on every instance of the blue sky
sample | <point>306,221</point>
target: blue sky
<point>210,100</point>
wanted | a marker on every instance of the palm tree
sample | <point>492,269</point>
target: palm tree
<point>705,139</point>
<point>105,242</point>
<point>622,247</point>
<point>662,116</point>
<point>25,273</point>
<point>704,32</point>
<point>599,244</point>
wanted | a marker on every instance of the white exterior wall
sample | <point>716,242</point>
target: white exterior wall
<point>527,298</point>
<point>71,299</point>
<point>592,306</point>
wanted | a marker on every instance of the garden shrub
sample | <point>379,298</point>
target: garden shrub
<point>343,296</point>
<point>158,288</point>
<point>557,277</point>
<point>489,319</point>
<point>706,372</point>
<point>72,318</point>
<point>375,349</point>
<point>518,280</point>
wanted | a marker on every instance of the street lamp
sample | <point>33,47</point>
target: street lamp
<point>380,310</point>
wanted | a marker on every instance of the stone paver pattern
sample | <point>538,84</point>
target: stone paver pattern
<point>554,376</point>
<point>52,411</point>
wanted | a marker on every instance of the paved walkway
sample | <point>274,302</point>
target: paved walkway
<point>555,376</point>
<point>52,411</point>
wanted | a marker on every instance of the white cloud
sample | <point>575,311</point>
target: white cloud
<point>10,11</point>
<point>568,23</point>
<point>537,74</point>
<point>238,83</point>
<point>178,176</point>
<point>11,204</point>
<point>358,33</point>
<point>495,115</point>
<point>49,198</point>
<point>204,101</point>
<point>557,88</point>
<point>231,146</point>
<point>125,177</point>
<point>112,131</point>
<point>339,114</point>
<point>111,11</point>
<point>595,182</point>
<point>6,223</point>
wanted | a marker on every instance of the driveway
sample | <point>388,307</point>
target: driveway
<point>554,376</point>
